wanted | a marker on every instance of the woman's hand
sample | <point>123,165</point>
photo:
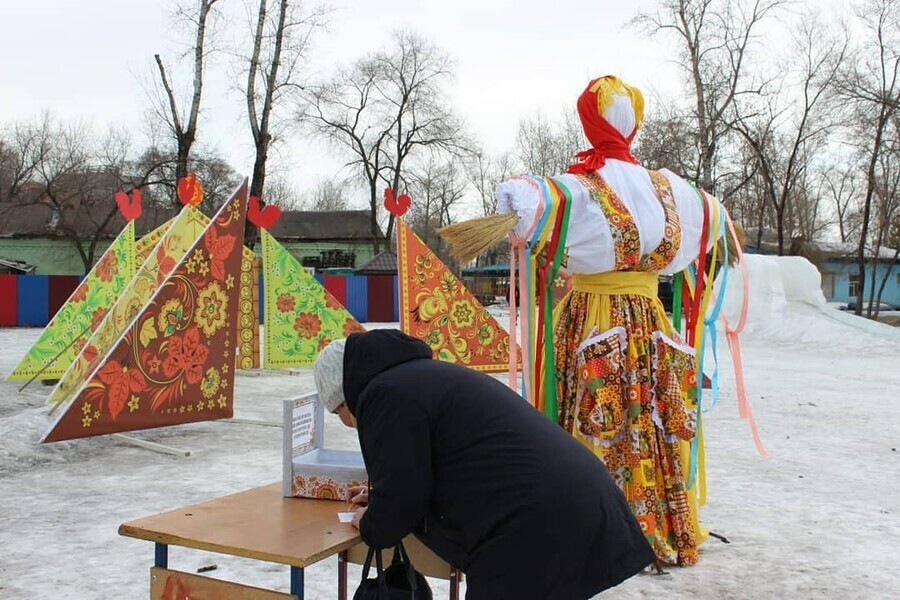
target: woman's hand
<point>359,496</point>
<point>357,517</point>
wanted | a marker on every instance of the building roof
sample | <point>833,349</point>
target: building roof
<point>9,265</point>
<point>487,270</point>
<point>844,250</point>
<point>39,220</point>
<point>383,263</point>
<point>350,225</point>
<point>35,218</point>
<point>814,250</point>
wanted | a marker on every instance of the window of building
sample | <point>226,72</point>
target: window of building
<point>337,258</point>
<point>854,285</point>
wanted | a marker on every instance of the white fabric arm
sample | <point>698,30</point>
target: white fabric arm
<point>522,196</point>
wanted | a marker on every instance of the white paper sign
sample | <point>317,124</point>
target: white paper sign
<point>304,422</point>
<point>345,517</point>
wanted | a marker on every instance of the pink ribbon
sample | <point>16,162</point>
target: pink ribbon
<point>734,345</point>
<point>513,325</point>
<point>526,329</point>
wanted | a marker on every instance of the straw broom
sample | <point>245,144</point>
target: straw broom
<point>470,238</point>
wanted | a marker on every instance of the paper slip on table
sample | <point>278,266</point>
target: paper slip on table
<point>264,525</point>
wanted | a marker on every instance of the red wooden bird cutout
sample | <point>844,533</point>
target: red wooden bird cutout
<point>263,218</point>
<point>129,206</point>
<point>396,206</point>
<point>190,191</point>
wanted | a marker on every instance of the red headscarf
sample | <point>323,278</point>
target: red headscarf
<point>606,140</point>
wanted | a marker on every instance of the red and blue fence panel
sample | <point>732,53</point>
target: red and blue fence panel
<point>32,300</point>
<point>9,300</point>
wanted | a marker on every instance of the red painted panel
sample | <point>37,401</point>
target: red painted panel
<point>60,288</point>
<point>8,300</point>
<point>381,298</point>
<point>337,287</point>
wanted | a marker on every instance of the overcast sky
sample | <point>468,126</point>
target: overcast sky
<point>91,60</point>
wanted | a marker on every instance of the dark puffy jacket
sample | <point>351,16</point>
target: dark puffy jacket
<point>482,478</point>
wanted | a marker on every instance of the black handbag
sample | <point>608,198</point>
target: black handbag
<point>398,582</point>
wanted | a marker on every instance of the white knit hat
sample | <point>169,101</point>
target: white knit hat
<point>328,373</point>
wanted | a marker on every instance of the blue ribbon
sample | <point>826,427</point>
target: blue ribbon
<point>710,323</point>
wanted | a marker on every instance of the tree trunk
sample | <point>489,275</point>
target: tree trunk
<point>86,259</point>
<point>867,209</point>
<point>390,227</point>
<point>181,163</point>
<point>376,241</point>
<point>884,280</point>
<point>186,133</point>
<point>779,226</point>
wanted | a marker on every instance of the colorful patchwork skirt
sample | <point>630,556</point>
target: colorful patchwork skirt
<point>625,387</point>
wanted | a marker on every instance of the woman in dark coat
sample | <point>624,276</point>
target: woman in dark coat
<point>482,478</point>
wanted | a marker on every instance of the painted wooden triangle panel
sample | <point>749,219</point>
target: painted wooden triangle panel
<point>176,241</point>
<point>248,313</point>
<point>70,328</point>
<point>145,245</point>
<point>438,309</point>
<point>175,361</point>
<point>301,316</point>
<point>247,356</point>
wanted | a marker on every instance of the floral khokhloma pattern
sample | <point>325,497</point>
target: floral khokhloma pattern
<point>322,487</point>
<point>144,246</point>
<point>248,319</point>
<point>301,317</point>
<point>436,308</point>
<point>108,326</point>
<point>175,362</point>
<point>72,326</point>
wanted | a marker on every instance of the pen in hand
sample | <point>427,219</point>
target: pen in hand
<point>359,496</point>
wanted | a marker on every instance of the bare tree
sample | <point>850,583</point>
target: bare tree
<point>19,157</point>
<point>183,124</point>
<point>281,40</point>
<point>783,132</point>
<point>741,187</point>
<point>871,87</point>
<point>714,38</point>
<point>808,212</point>
<point>840,183</point>
<point>437,186</point>
<point>386,109</point>
<point>327,196</point>
<point>216,176</point>
<point>547,148</point>
<point>668,140</point>
<point>485,173</point>
<point>70,182</point>
<point>281,192</point>
<point>887,213</point>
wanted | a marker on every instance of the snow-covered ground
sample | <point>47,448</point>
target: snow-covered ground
<point>819,518</point>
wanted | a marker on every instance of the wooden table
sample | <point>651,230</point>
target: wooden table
<point>260,524</point>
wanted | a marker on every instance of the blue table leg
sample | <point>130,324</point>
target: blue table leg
<point>161,558</point>
<point>297,582</point>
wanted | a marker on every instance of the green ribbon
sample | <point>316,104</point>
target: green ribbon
<point>676,301</point>
<point>551,403</point>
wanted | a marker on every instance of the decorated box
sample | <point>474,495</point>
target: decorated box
<point>310,469</point>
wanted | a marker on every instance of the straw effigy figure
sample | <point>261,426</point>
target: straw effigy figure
<point>619,378</point>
